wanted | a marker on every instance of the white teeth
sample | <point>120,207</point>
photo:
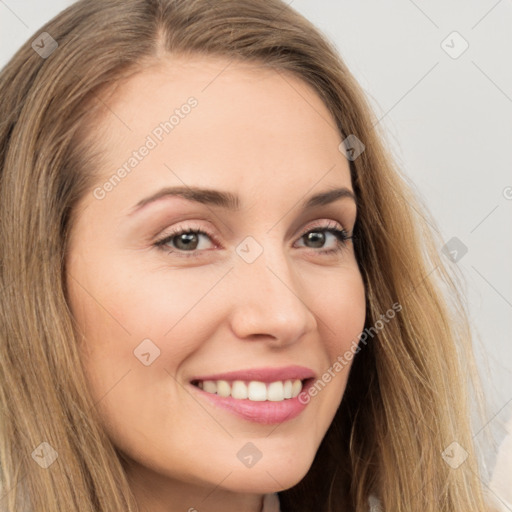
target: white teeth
<point>254,390</point>
<point>239,390</point>
<point>257,391</point>
<point>296,388</point>
<point>275,392</point>
<point>210,386</point>
<point>223,388</point>
<point>288,388</point>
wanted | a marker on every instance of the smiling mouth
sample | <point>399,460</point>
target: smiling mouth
<point>255,391</point>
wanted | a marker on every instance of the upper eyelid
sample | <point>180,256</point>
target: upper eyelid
<point>318,224</point>
<point>344,212</point>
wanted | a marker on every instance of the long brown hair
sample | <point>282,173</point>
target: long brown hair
<point>407,398</point>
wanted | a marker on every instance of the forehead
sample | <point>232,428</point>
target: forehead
<point>251,128</point>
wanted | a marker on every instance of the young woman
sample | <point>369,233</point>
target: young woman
<point>216,293</point>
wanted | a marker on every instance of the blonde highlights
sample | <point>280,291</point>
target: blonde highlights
<point>407,397</point>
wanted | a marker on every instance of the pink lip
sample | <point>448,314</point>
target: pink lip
<point>262,374</point>
<point>266,413</point>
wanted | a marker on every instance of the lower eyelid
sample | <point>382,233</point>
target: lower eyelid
<point>335,231</point>
<point>168,238</point>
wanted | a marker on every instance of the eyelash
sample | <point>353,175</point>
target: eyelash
<point>341,235</point>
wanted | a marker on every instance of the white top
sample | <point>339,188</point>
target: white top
<point>271,503</point>
<point>501,481</point>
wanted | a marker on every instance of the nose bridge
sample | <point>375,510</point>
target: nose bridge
<point>268,300</point>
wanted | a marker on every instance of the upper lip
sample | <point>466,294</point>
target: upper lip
<point>262,374</point>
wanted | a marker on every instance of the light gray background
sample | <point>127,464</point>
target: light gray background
<point>449,122</point>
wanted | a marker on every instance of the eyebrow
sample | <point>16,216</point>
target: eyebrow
<point>230,201</point>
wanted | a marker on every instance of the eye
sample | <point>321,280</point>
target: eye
<point>183,240</point>
<point>188,240</point>
<point>318,236</point>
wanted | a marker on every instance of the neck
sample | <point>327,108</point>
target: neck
<point>158,493</point>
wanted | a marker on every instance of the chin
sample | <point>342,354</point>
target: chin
<point>272,476</point>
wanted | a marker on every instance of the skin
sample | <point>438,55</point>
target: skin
<point>268,138</point>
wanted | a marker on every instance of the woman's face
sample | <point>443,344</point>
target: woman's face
<point>244,296</point>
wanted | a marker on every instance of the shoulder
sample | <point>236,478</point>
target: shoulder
<point>374,504</point>
<point>271,503</point>
<point>501,481</point>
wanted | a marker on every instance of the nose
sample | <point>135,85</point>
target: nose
<point>269,301</point>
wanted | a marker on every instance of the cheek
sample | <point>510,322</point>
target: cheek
<point>125,312</point>
<point>341,308</point>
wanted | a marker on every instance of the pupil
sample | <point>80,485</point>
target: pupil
<point>317,238</point>
<point>188,239</point>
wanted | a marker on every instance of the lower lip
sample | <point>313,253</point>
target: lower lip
<point>266,413</point>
